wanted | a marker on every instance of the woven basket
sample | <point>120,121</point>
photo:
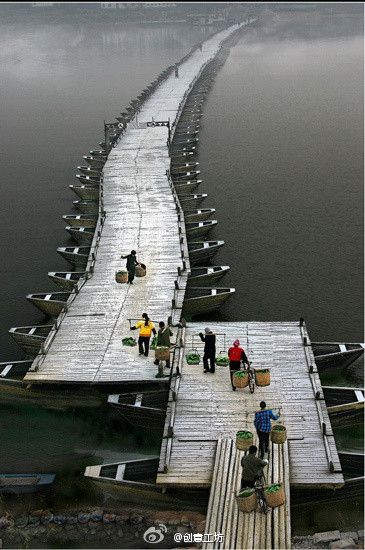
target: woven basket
<point>162,353</point>
<point>262,378</point>
<point>243,444</point>
<point>247,504</point>
<point>121,276</point>
<point>240,381</point>
<point>140,271</point>
<point>278,436</point>
<point>275,499</point>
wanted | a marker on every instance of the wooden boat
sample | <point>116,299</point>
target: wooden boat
<point>201,251</point>
<point>86,192</point>
<point>94,162</point>
<point>200,300</point>
<point>183,144</point>
<point>187,187</point>
<point>51,303</point>
<point>14,369</point>
<point>98,153</point>
<point>83,235</point>
<point>81,220</point>
<point>345,406</point>
<point>332,355</point>
<point>199,229</point>
<point>199,215</point>
<point>88,180</point>
<point>25,483</point>
<point>352,464</point>
<point>142,409</point>
<point>130,472</point>
<point>192,199</point>
<point>206,275</point>
<point>66,279</point>
<point>75,255</point>
<point>188,166</point>
<point>182,134</point>
<point>88,171</point>
<point>87,207</point>
<point>184,175</point>
<point>187,127</point>
<point>30,338</point>
<point>184,153</point>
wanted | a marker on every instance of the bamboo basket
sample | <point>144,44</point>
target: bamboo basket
<point>121,276</point>
<point>240,381</point>
<point>244,444</point>
<point>262,378</point>
<point>162,353</point>
<point>247,504</point>
<point>275,499</point>
<point>140,271</point>
<point>278,436</point>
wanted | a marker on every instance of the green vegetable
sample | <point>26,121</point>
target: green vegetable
<point>192,358</point>
<point>240,374</point>
<point>129,341</point>
<point>246,493</point>
<point>154,342</point>
<point>279,428</point>
<point>244,434</point>
<point>222,360</point>
<point>273,488</point>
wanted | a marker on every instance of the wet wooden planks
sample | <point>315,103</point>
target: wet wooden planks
<point>246,530</point>
<point>207,409</point>
<point>140,214</point>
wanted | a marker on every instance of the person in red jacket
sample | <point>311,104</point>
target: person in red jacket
<point>236,354</point>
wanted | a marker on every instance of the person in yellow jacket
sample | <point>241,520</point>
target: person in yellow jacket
<point>146,328</point>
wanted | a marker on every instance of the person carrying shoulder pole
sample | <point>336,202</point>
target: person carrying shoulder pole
<point>262,424</point>
<point>131,265</point>
<point>236,354</point>
<point>251,467</point>
<point>209,350</point>
<point>163,339</point>
<point>146,327</point>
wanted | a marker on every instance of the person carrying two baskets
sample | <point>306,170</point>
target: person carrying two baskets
<point>236,354</point>
<point>131,265</point>
<point>146,328</point>
<point>262,424</point>
<point>251,467</point>
<point>163,339</point>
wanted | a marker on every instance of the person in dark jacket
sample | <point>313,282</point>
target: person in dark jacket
<point>236,354</point>
<point>163,339</point>
<point>131,265</point>
<point>251,467</point>
<point>209,350</point>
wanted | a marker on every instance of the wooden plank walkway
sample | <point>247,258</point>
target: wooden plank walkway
<point>141,214</point>
<point>206,409</point>
<point>246,530</point>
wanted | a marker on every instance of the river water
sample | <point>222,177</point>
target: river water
<point>280,154</point>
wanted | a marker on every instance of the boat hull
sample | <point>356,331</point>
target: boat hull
<point>206,303</point>
<point>81,220</point>
<point>213,274</point>
<point>189,200</point>
<point>198,215</point>
<point>87,207</point>
<point>25,483</point>
<point>80,235</point>
<point>50,307</point>
<point>204,228</point>
<point>86,192</point>
<point>200,255</point>
<point>64,279</point>
<point>74,258</point>
<point>30,342</point>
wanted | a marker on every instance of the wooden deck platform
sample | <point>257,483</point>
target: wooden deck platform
<point>246,530</point>
<point>141,214</point>
<point>205,409</point>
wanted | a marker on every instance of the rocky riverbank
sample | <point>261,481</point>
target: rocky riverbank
<point>330,539</point>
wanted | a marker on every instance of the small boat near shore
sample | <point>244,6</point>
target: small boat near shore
<point>88,180</point>
<point>86,192</point>
<point>94,162</point>
<point>184,175</point>
<point>66,279</point>
<point>332,355</point>
<point>199,300</point>
<point>142,408</point>
<point>88,171</point>
<point>206,275</point>
<point>83,235</point>
<point>176,168</point>
<point>30,338</point>
<point>199,215</point>
<point>200,251</point>
<point>87,207</point>
<point>181,155</point>
<point>25,483</point>
<point>140,472</point>
<point>75,255</point>
<point>81,220</point>
<point>352,464</point>
<point>187,187</point>
<point>98,153</point>
<point>199,229</point>
<point>14,369</point>
<point>52,303</point>
<point>192,199</point>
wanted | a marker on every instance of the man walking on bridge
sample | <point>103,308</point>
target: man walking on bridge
<point>251,467</point>
<point>209,350</point>
<point>131,265</point>
<point>262,424</point>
